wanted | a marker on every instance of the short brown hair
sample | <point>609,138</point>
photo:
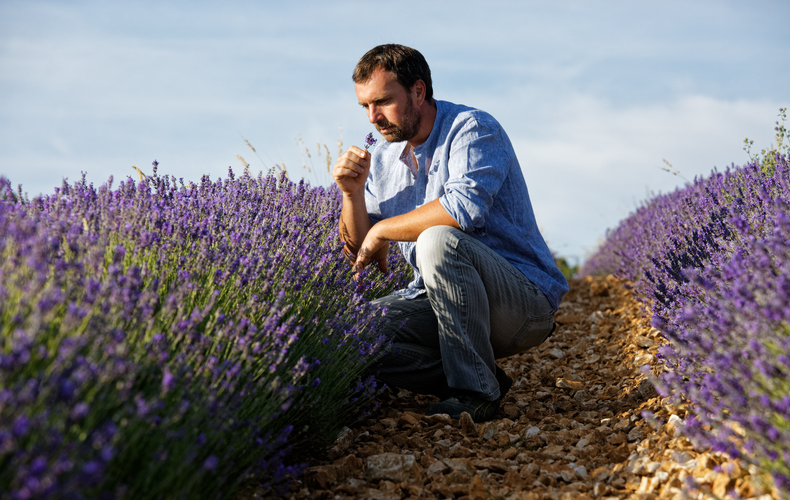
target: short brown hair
<point>406,63</point>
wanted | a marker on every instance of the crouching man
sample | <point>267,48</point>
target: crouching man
<point>446,185</point>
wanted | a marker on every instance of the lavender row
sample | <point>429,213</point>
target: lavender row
<point>711,262</point>
<point>167,340</point>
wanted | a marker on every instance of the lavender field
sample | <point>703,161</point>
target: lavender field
<point>168,340</point>
<point>162,340</point>
<point>711,263</point>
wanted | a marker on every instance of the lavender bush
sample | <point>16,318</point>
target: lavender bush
<point>162,340</point>
<point>711,262</point>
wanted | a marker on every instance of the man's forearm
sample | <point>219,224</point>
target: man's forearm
<point>354,221</point>
<point>354,226</point>
<point>406,227</point>
<point>409,226</point>
<point>366,242</point>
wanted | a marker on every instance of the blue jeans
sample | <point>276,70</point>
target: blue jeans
<point>478,308</point>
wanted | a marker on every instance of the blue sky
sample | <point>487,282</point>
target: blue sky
<point>593,94</point>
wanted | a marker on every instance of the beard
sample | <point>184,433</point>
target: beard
<point>408,128</point>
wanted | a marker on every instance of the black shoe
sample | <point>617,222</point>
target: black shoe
<point>481,410</point>
<point>505,382</point>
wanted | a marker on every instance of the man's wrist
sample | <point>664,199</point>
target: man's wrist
<point>379,229</point>
<point>355,196</point>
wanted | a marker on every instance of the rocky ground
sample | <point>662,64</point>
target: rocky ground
<point>571,427</point>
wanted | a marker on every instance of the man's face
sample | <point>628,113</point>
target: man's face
<point>390,107</point>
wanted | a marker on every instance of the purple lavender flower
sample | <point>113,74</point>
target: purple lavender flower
<point>712,261</point>
<point>370,141</point>
<point>171,312</point>
<point>167,380</point>
<point>211,463</point>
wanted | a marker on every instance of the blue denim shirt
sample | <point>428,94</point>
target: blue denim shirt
<point>468,163</point>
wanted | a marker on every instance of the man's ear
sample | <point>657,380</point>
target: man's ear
<point>418,91</point>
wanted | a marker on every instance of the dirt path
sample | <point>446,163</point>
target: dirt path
<point>571,427</point>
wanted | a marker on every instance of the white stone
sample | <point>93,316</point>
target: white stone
<point>661,476</point>
<point>595,317</point>
<point>487,431</point>
<point>593,358</point>
<point>390,466</point>
<point>638,465</point>
<point>462,465</point>
<point>567,475</point>
<point>531,431</point>
<point>438,467</point>
<point>344,437</point>
<point>644,342</point>
<point>674,424</point>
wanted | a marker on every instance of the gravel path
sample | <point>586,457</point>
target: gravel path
<point>571,427</point>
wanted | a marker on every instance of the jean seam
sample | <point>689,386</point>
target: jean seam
<point>418,351</point>
<point>464,311</point>
<point>511,269</point>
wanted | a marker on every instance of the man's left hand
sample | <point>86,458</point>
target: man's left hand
<point>367,251</point>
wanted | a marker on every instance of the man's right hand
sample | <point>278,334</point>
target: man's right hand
<point>351,170</point>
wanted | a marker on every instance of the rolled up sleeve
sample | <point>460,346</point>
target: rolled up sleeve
<point>478,164</point>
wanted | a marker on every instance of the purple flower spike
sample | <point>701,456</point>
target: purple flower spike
<point>369,141</point>
<point>198,379</point>
<point>211,463</point>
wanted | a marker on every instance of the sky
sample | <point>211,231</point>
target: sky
<point>596,96</point>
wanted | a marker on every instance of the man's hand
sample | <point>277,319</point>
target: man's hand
<point>350,174</point>
<point>351,170</point>
<point>367,251</point>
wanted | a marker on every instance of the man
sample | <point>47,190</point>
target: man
<point>446,185</point>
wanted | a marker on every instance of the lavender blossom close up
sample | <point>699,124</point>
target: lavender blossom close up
<point>370,141</point>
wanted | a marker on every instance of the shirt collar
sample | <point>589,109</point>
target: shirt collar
<point>408,154</point>
<point>435,130</point>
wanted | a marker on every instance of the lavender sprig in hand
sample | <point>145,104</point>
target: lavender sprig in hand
<point>369,141</point>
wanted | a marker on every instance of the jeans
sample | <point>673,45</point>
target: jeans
<point>478,308</point>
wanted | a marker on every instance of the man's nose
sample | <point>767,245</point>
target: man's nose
<point>374,113</point>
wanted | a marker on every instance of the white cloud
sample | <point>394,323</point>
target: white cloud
<point>593,95</point>
<point>593,162</point>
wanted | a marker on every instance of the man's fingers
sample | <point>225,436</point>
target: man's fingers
<point>362,260</point>
<point>349,256</point>
<point>359,265</point>
<point>383,265</point>
<point>351,164</point>
<point>345,172</point>
<point>361,153</point>
<point>356,156</point>
<point>345,166</point>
